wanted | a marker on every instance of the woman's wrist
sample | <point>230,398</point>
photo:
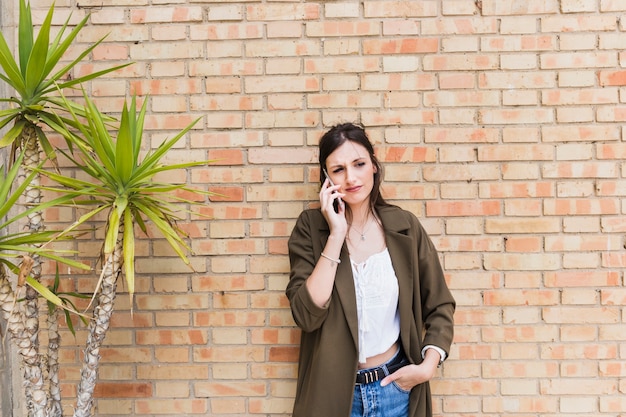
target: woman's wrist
<point>431,362</point>
<point>335,241</point>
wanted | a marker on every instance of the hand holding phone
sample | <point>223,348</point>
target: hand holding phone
<point>337,200</point>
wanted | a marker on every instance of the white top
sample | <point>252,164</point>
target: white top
<point>377,291</point>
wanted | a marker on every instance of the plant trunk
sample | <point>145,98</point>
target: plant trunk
<point>54,340</point>
<point>32,196</point>
<point>98,327</point>
<point>32,158</point>
<point>13,313</point>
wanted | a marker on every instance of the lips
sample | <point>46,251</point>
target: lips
<point>353,189</point>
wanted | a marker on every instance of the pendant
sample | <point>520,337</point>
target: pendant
<point>363,238</point>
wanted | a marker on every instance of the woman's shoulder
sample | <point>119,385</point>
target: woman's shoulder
<point>397,218</point>
<point>311,214</point>
<point>311,218</point>
<point>392,211</point>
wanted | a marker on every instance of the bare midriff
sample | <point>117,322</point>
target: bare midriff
<point>381,358</point>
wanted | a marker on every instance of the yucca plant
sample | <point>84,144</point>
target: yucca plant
<point>116,179</point>
<point>22,246</point>
<point>36,76</point>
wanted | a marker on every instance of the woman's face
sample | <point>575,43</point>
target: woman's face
<point>350,166</point>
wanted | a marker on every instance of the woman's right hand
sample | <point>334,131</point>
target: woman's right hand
<point>322,280</point>
<point>336,220</point>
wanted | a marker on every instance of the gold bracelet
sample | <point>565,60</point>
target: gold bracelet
<point>334,261</point>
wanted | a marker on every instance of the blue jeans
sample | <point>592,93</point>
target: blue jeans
<point>372,400</point>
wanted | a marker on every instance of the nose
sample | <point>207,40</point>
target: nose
<point>349,172</point>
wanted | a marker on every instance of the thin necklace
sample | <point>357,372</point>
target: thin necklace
<point>362,233</point>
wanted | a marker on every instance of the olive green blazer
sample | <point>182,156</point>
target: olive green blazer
<point>328,349</point>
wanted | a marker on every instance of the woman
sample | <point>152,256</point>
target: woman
<point>367,289</point>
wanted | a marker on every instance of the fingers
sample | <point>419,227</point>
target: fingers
<point>399,377</point>
<point>328,194</point>
<point>406,377</point>
<point>387,380</point>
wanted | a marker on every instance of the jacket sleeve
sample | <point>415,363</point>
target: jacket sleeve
<point>437,302</point>
<point>302,258</point>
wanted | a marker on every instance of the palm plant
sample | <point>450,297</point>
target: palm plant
<point>23,245</point>
<point>36,80</point>
<point>36,77</point>
<point>121,183</point>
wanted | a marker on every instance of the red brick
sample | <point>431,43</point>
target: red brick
<point>226,194</point>
<point>609,78</point>
<point>123,390</point>
<point>229,318</point>
<point>238,389</point>
<point>171,337</point>
<point>582,207</point>
<point>581,279</point>
<point>400,46</point>
<point>461,135</point>
<point>283,354</point>
<point>482,208</point>
<point>514,297</point>
<point>283,11</point>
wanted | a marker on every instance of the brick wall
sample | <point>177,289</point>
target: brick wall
<point>500,124</point>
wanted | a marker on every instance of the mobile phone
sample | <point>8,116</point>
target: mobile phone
<point>336,200</point>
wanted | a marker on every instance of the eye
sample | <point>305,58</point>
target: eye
<point>336,170</point>
<point>360,164</point>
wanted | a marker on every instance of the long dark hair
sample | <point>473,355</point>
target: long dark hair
<point>337,136</point>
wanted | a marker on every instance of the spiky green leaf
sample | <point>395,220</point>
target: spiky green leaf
<point>87,77</point>
<point>7,182</point>
<point>113,225</point>
<point>13,133</point>
<point>59,46</point>
<point>167,231</point>
<point>44,291</point>
<point>124,148</point>
<point>128,251</point>
<point>7,62</point>
<point>34,72</point>
<point>25,33</point>
<point>151,160</point>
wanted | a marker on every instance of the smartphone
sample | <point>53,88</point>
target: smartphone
<point>337,200</point>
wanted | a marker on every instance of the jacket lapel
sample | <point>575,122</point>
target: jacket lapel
<point>344,285</point>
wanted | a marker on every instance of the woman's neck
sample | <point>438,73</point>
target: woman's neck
<point>360,214</point>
